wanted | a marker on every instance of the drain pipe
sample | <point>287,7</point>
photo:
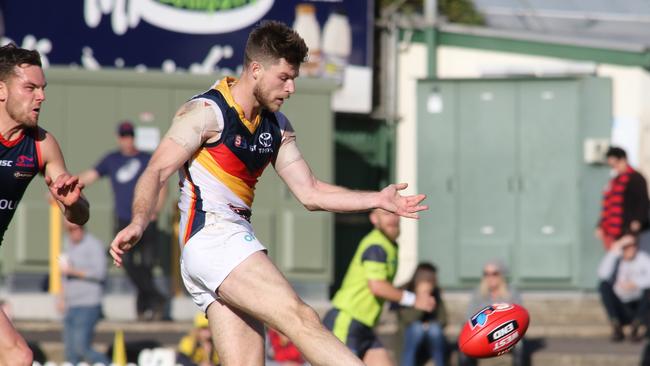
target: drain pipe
<point>431,36</point>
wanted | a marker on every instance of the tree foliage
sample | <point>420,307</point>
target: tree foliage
<point>455,11</point>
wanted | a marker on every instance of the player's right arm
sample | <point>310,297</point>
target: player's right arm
<point>194,124</point>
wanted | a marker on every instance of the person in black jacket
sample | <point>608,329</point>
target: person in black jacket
<point>422,331</point>
<point>625,201</point>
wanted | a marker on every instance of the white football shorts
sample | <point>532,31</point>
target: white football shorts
<point>211,254</point>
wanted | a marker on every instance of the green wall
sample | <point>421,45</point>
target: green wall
<point>82,109</point>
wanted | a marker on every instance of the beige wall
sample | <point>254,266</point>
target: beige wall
<point>412,66</point>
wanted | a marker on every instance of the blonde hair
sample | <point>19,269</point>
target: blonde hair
<point>502,290</point>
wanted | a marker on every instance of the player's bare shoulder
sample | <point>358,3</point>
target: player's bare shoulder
<point>196,122</point>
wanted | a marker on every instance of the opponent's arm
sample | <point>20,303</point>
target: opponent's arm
<point>317,195</point>
<point>65,188</point>
<point>193,124</point>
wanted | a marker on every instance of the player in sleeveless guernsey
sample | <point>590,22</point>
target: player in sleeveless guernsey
<point>26,150</point>
<point>220,142</point>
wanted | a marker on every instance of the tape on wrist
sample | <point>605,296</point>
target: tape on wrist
<point>408,298</point>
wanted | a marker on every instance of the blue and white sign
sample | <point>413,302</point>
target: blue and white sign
<point>179,35</point>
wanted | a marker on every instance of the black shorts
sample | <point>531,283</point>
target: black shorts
<point>356,335</point>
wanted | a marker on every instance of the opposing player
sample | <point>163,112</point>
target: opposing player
<point>221,141</point>
<point>26,150</point>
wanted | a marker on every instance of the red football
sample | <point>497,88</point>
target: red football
<point>493,331</point>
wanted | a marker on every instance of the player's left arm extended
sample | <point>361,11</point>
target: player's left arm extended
<point>317,195</point>
<point>65,188</point>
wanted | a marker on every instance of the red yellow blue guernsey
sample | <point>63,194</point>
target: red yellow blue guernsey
<point>221,176</point>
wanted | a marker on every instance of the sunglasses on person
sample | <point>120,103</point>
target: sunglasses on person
<point>491,273</point>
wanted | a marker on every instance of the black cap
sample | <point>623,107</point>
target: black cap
<point>125,128</point>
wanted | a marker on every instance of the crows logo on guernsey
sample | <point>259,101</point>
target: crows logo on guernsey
<point>265,139</point>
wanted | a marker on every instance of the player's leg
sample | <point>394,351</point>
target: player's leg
<point>378,357</point>
<point>13,349</point>
<point>238,338</point>
<point>257,287</point>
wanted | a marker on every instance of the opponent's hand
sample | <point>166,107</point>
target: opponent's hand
<point>425,302</point>
<point>407,206</point>
<point>65,188</point>
<point>124,241</point>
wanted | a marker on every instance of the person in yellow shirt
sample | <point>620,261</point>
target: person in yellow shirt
<point>195,349</point>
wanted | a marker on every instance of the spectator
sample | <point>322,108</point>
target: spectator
<point>624,275</point>
<point>366,285</point>
<point>124,167</point>
<point>83,268</point>
<point>625,201</point>
<point>283,352</point>
<point>195,349</point>
<point>494,288</point>
<point>422,331</point>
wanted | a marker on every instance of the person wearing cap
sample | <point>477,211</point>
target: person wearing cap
<point>83,272</point>
<point>196,349</point>
<point>494,288</point>
<point>624,275</point>
<point>124,166</point>
<point>625,203</point>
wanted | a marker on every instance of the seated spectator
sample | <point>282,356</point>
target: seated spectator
<point>624,275</point>
<point>282,351</point>
<point>421,332</point>
<point>196,349</point>
<point>494,288</point>
<point>83,272</point>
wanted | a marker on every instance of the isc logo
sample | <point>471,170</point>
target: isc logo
<point>6,162</point>
<point>503,330</point>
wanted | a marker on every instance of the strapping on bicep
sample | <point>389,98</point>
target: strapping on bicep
<point>192,123</point>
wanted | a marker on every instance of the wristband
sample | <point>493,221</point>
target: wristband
<point>408,299</point>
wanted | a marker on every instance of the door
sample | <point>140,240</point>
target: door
<point>548,178</point>
<point>436,141</point>
<point>487,175</point>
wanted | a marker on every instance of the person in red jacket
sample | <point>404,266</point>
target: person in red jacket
<point>625,201</point>
<point>283,352</point>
